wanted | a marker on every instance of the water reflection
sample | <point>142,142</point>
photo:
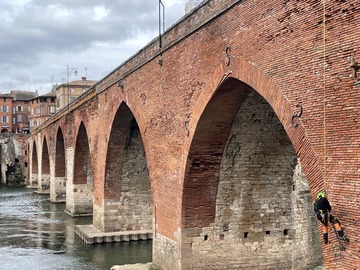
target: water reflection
<point>36,234</point>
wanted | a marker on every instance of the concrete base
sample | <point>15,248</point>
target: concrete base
<point>42,192</point>
<point>57,201</point>
<point>91,235</point>
<point>137,266</point>
<point>77,215</point>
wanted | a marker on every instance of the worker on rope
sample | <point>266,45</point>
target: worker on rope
<point>322,209</point>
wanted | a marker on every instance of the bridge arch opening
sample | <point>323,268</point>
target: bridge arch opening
<point>60,167</point>
<point>34,167</point>
<point>58,186</point>
<point>82,184</point>
<point>127,184</point>
<point>45,168</point>
<point>82,162</point>
<point>245,195</point>
<point>34,160</point>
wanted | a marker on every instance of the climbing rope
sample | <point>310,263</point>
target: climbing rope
<point>324,92</point>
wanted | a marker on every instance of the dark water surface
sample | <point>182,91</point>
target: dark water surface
<point>36,234</point>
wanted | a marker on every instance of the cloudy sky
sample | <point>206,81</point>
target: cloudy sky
<point>40,38</point>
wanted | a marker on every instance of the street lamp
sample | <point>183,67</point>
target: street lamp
<point>69,70</point>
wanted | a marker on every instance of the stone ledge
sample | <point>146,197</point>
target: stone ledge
<point>42,192</point>
<point>77,214</point>
<point>137,266</point>
<point>91,235</point>
<point>57,200</point>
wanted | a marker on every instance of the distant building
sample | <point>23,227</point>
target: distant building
<point>191,4</point>
<point>6,113</point>
<point>21,110</point>
<point>67,92</point>
<point>41,108</point>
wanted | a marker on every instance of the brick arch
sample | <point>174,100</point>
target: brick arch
<point>204,159</point>
<point>211,211</point>
<point>243,178</point>
<point>253,76</point>
<point>34,158</point>
<point>126,183</point>
<point>45,157</point>
<point>60,166</point>
<point>123,123</point>
<point>82,161</point>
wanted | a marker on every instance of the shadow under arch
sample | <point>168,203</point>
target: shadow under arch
<point>242,184</point>
<point>60,166</point>
<point>127,183</point>
<point>254,77</point>
<point>81,188</point>
<point>58,184</point>
<point>82,161</point>
<point>44,184</point>
<point>34,166</point>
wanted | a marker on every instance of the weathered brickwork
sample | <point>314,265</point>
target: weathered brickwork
<point>81,185</point>
<point>135,208</point>
<point>34,166</point>
<point>58,189</point>
<point>127,205</point>
<point>58,178</point>
<point>163,250</point>
<point>184,99</point>
<point>259,218</point>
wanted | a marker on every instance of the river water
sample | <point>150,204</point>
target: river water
<point>36,234</point>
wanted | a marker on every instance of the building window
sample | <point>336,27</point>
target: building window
<point>4,99</point>
<point>58,102</point>
<point>4,108</point>
<point>14,120</point>
<point>52,109</point>
<point>19,118</point>
<point>4,119</point>
<point>14,110</point>
<point>38,111</point>
<point>20,108</point>
<point>52,99</point>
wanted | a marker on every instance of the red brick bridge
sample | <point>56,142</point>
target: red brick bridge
<point>218,137</point>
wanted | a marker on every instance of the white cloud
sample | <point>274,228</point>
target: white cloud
<point>39,38</point>
<point>100,13</point>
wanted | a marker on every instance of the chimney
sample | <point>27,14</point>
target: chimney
<point>83,78</point>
